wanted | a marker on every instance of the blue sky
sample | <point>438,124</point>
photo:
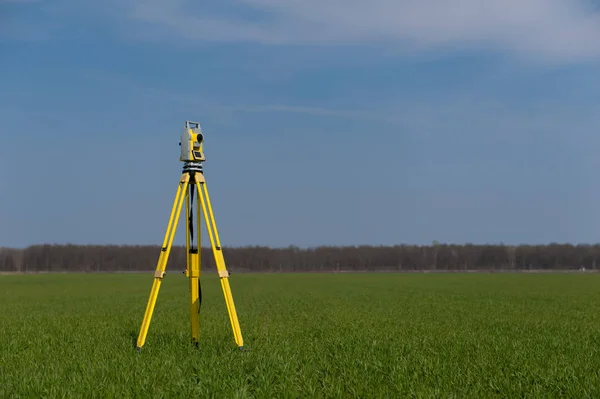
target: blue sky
<point>325,122</point>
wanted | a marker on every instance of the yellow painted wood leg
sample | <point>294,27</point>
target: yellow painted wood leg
<point>163,258</point>
<point>219,260</point>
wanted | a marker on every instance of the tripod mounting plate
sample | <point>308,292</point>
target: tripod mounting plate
<point>192,167</point>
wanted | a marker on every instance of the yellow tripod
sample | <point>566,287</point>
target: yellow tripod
<point>192,181</point>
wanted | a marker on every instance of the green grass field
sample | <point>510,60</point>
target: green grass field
<point>309,335</point>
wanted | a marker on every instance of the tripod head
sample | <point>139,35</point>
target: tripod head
<point>191,143</point>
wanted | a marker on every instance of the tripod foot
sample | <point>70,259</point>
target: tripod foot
<point>243,349</point>
<point>138,349</point>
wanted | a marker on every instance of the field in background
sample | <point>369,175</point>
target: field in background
<point>309,335</point>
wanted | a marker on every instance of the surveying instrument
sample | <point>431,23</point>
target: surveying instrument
<point>192,181</point>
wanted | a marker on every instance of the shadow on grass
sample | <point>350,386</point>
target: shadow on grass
<point>133,335</point>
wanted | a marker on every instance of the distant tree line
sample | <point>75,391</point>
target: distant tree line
<point>74,258</point>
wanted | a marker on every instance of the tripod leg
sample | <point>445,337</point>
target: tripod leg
<point>164,256</point>
<point>219,260</point>
<point>194,271</point>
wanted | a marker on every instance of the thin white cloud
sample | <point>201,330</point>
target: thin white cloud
<point>18,1</point>
<point>439,113</point>
<point>552,30</point>
<point>317,111</point>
